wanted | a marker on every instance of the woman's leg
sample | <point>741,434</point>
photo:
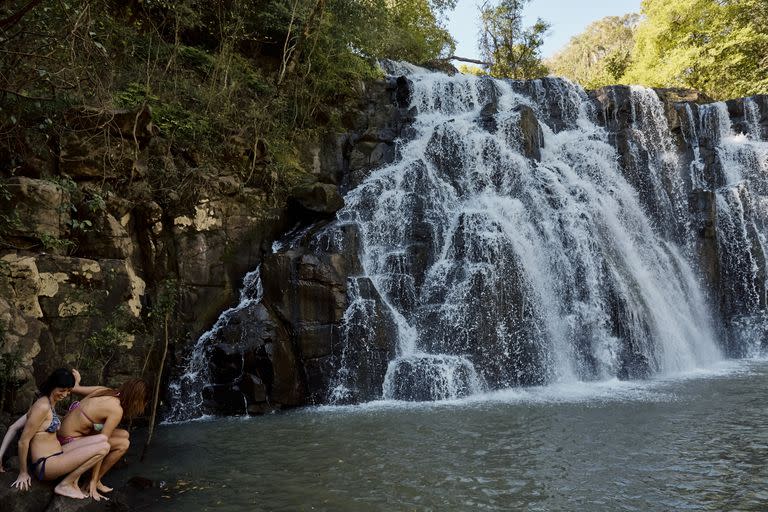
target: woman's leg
<point>118,442</point>
<point>74,463</point>
<point>81,441</point>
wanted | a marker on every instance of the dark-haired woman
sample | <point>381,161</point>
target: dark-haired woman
<point>99,413</point>
<point>38,439</point>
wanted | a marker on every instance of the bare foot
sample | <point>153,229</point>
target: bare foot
<point>70,491</point>
<point>94,493</point>
<point>103,488</point>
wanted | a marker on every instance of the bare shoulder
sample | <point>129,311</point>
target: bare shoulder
<point>41,405</point>
<point>105,402</point>
<point>37,413</point>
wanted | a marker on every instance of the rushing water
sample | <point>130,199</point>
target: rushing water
<point>517,241</point>
<point>676,444</point>
<point>505,266</point>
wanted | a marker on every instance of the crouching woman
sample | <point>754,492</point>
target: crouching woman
<point>38,440</point>
<point>98,415</point>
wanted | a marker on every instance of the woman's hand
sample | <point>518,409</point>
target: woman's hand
<point>23,482</point>
<point>77,377</point>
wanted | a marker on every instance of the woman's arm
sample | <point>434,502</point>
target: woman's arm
<point>10,434</point>
<point>35,418</point>
<point>114,417</point>
<point>83,390</point>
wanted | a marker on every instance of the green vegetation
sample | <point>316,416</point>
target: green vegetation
<point>220,78</point>
<point>102,345</point>
<point>718,47</point>
<point>714,46</point>
<point>511,50</point>
<point>600,55</point>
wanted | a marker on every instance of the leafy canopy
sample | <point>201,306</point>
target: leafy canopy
<point>600,55</point>
<point>510,49</point>
<point>719,47</point>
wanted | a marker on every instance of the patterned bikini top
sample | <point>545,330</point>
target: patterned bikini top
<point>55,420</point>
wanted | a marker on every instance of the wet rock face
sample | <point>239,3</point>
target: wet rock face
<point>414,379</point>
<point>288,349</point>
<point>531,135</point>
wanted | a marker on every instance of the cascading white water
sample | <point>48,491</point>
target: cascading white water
<point>185,392</point>
<point>742,219</point>
<point>516,242</point>
<point>668,203</point>
<point>752,118</point>
<point>507,270</point>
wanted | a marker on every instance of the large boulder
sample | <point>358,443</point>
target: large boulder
<point>37,208</point>
<point>317,198</point>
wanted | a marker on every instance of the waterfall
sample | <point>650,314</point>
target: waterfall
<point>513,241</point>
<point>742,217</point>
<point>515,252</point>
<point>186,392</point>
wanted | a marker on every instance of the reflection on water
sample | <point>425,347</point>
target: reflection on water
<point>696,444</point>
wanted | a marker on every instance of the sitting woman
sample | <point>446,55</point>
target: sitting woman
<point>38,439</point>
<point>100,412</point>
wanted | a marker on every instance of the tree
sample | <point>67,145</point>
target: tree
<point>600,55</point>
<point>719,47</point>
<point>469,69</point>
<point>512,50</point>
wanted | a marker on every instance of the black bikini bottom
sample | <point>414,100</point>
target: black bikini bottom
<point>38,467</point>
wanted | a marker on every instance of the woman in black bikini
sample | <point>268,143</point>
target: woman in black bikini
<point>38,439</point>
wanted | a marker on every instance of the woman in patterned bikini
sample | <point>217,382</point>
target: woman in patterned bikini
<point>99,413</point>
<point>38,439</point>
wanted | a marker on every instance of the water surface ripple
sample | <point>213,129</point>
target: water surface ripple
<point>686,444</point>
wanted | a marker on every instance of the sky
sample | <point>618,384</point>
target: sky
<point>567,17</point>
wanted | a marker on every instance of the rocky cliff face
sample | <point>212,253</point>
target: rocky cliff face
<point>83,266</point>
<point>316,314</point>
<point>102,224</point>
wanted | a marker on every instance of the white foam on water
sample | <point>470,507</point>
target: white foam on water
<point>659,389</point>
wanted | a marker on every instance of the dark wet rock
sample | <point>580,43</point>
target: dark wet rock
<point>634,366</point>
<point>318,198</point>
<point>41,498</point>
<point>557,100</point>
<point>703,209</point>
<point>445,150</point>
<point>487,119</point>
<point>531,135</point>
<point>403,92</point>
<point>37,498</point>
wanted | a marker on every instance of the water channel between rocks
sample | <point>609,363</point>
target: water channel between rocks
<point>691,443</point>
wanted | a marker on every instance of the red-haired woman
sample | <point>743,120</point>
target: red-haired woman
<point>38,439</point>
<point>99,413</point>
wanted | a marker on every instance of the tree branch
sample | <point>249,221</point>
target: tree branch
<point>471,61</point>
<point>13,19</point>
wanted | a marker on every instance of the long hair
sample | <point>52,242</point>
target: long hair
<point>60,378</point>
<point>132,395</point>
